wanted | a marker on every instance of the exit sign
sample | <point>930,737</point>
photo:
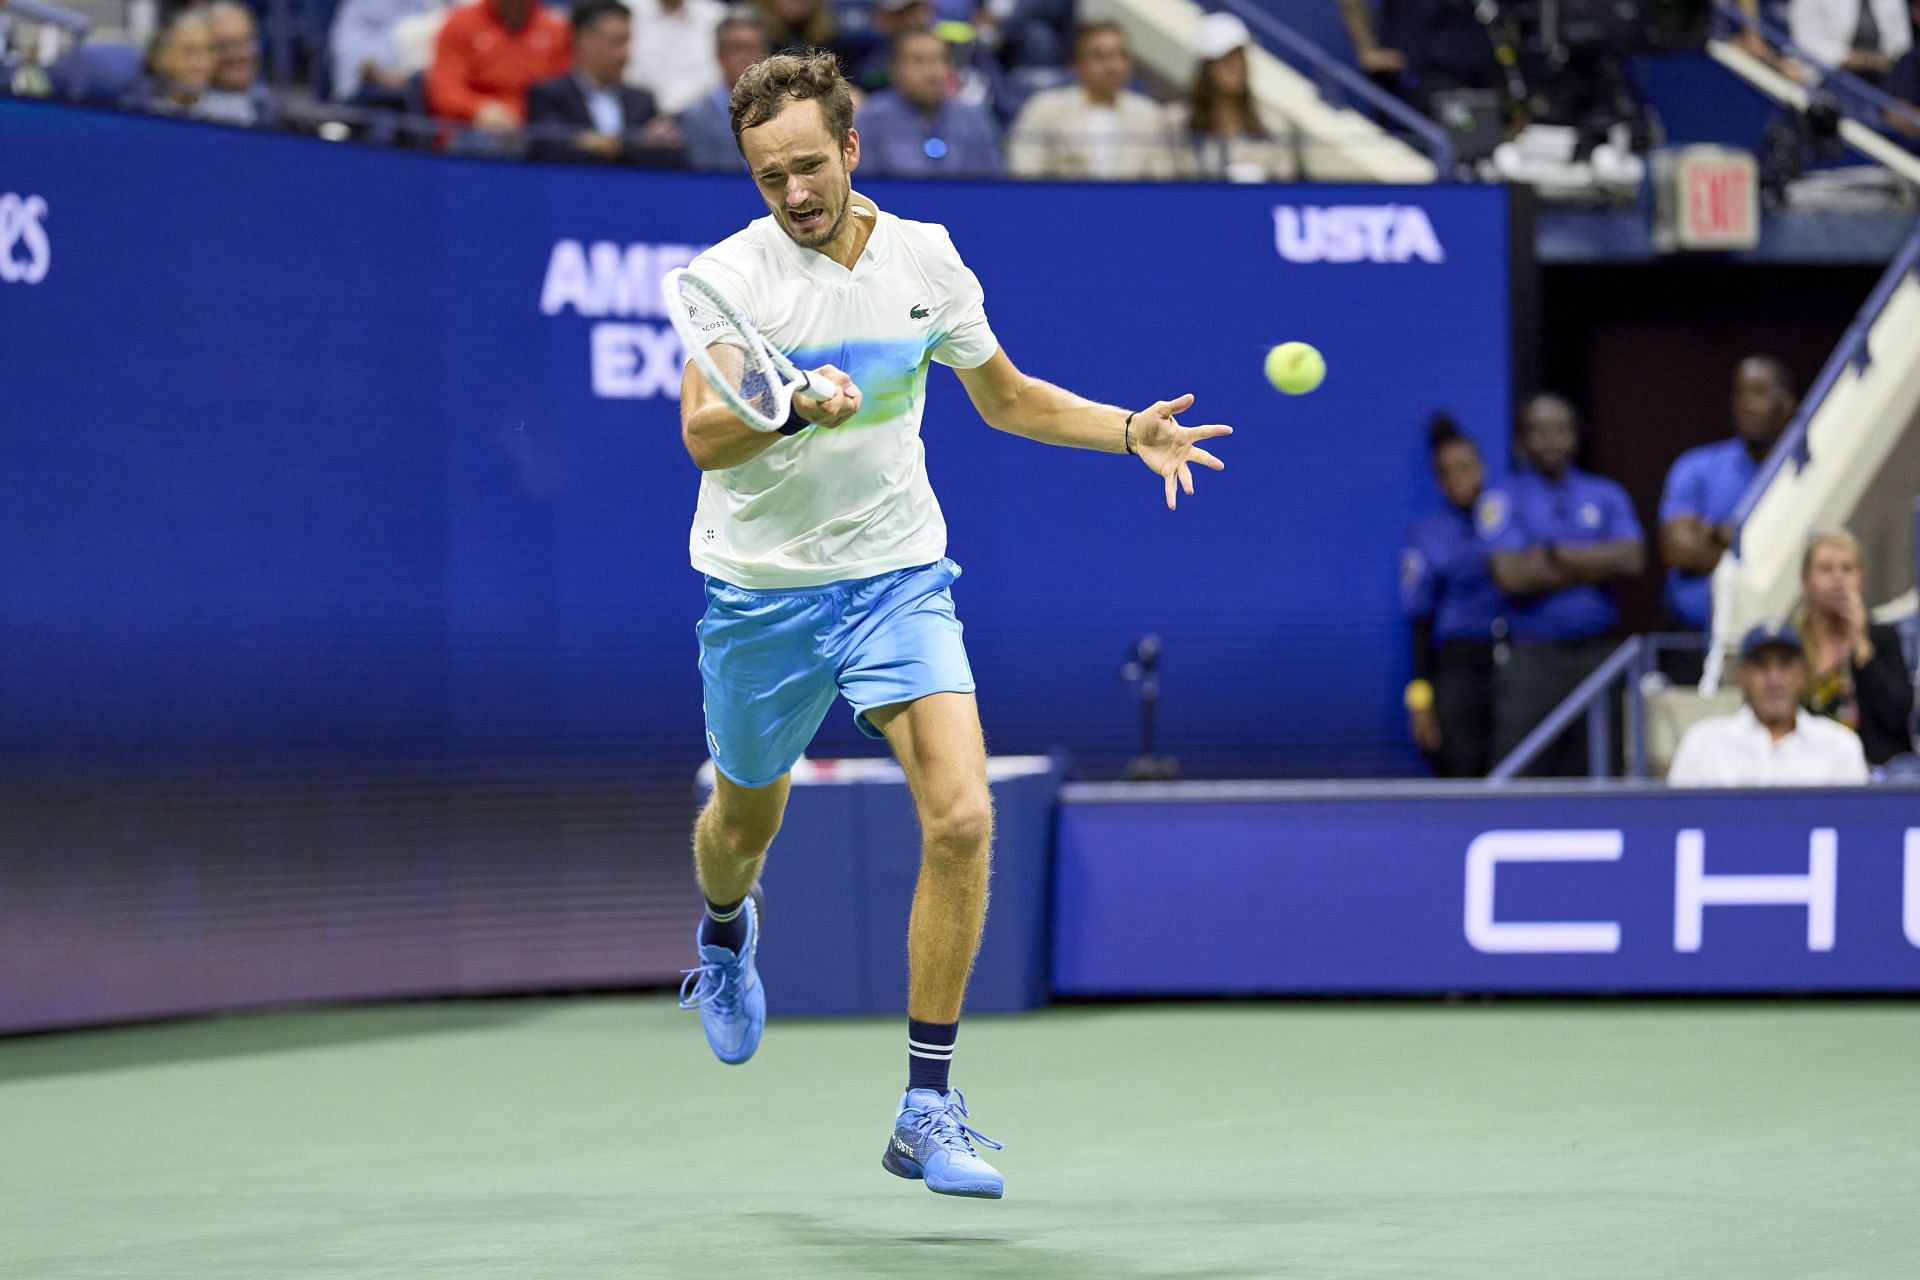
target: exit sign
<point>1708,198</point>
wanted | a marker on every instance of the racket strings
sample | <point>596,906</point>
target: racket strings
<point>731,360</point>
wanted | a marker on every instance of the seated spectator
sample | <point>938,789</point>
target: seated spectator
<point>611,121</point>
<point>869,61</point>
<point>1028,33</point>
<point>1772,740</point>
<point>1858,674</point>
<point>740,41</point>
<point>672,51</point>
<point>1456,614</point>
<point>1559,541</point>
<point>366,56</point>
<point>800,24</point>
<point>1865,37</point>
<point>1903,82</point>
<point>1423,47</point>
<point>916,129</point>
<point>1097,128</point>
<point>488,55</point>
<point>180,64</point>
<point>237,94</point>
<point>1703,488</point>
<point>1220,120</point>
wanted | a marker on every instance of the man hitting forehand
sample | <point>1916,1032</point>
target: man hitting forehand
<point>825,556</point>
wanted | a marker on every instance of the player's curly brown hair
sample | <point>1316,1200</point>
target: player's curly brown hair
<point>771,83</point>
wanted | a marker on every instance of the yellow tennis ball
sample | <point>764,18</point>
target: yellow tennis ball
<point>1295,368</point>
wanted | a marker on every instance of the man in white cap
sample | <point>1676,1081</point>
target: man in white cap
<point>1772,740</point>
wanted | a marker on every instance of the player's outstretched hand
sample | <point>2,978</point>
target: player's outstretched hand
<point>1171,449</point>
<point>835,409</point>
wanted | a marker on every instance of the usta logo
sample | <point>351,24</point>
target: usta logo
<point>25,251</point>
<point>1389,233</point>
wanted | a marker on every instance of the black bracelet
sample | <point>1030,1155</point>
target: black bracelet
<point>794,424</point>
<point>1127,432</point>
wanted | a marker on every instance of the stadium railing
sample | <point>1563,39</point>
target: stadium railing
<point>1637,658</point>
<point>1865,110</point>
<point>1854,352</point>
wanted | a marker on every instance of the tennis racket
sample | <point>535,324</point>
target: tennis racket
<point>753,376</point>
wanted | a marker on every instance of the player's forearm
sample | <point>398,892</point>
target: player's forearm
<point>716,440</point>
<point>1053,415</point>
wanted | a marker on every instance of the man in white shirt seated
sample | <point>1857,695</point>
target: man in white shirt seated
<point>1772,740</point>
<point>1097,128</point>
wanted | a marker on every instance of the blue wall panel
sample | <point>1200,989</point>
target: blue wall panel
<point>293,457</point>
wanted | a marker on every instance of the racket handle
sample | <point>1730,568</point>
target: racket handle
<point>816,387</point>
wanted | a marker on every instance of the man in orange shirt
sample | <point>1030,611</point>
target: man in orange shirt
<point>489,54</point>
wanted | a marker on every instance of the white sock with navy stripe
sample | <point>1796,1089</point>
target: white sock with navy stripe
<point>930,1053</point>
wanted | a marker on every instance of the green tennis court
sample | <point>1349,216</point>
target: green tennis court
<point>595,1138</point>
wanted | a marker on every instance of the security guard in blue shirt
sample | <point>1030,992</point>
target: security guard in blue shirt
<point>1703,488</point>
<point>1558,544</point>
<point>1455,611</point>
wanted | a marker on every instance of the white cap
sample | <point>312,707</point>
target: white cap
<point>1218,35</point>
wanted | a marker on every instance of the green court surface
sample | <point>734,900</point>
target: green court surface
<point>595,1138</point>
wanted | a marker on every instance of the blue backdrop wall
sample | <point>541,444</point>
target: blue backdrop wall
<point>316,447</point>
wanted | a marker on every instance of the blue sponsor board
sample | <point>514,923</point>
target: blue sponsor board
<point>1274,890</point>
<point>377,451</point>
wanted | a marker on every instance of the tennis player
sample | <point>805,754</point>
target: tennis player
<point>824,552</point>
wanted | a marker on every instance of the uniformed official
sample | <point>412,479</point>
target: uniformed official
<point>1703,488</point>
<point>1559,543</point>
<point>1455,610</point>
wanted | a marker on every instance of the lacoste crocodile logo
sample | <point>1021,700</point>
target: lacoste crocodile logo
<point>919,312</point>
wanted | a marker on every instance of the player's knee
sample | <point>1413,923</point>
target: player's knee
<point>745,836</point>
<point>960,831</point>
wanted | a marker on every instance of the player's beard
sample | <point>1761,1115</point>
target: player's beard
<point>829,229</point>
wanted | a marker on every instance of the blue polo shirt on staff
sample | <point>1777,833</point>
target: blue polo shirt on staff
<point>1706,482</point>
<point>1444,576</point>
<point>1579,509</point>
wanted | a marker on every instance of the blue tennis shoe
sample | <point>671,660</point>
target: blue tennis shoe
<point>725,988</point>
<point>932,1140</point>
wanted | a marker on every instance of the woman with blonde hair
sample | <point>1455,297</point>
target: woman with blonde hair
<point>1858,674</point>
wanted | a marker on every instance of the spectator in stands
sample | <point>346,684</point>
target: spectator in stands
<point>672,46</point>
<point>1772,740</point>
<point>1028,33</point>
<point>869,62</point>
<point>1097,128</point>
<point>1221,122</point>
<point>365,55</point>
<point>1903,82</point>
<point>608,120</point>
<point>180,62</point>
<point>1456,614</point>
<point>1423,47</point>
<point>800,24</point>
<point>916,128</point>
<point>1865,37</point>
<point>1559,539</point>
<point>1858,672</point>
<point>489,54</point>
<point>741,40</point>
<point>1703,488</point>
<point>236,92</point>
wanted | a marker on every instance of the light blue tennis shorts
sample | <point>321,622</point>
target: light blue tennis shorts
<point>771,660</point>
